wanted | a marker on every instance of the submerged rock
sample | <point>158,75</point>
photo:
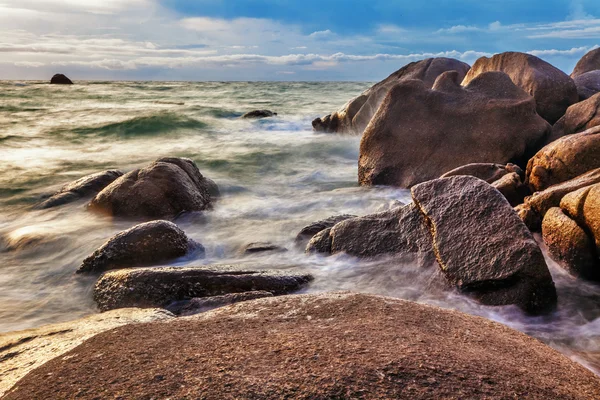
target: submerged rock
<point>311,230</point>
<point>60,79</point>
<point>165,188</point>
<point>578,118</point>
<point>202,304</point>
<point>326,346</point>
<point>259,114</point>
<point>588,84</point>
<point>553,90</point>
<point>87,186</point>
<point>482,246</point>
<point>24,351</point>
<point>159,286</point>
<point>419,134</point>
<point>356,114</point>
<point>589,62</point>
<point>145,244</point>
<point>564,159</point>
<point>262,247</point>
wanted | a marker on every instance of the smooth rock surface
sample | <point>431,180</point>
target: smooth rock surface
<point>145,244</point>
<point>262,247</point>
<point>588,84</point>
<point>482,246</point>
<point>418,134</point>
<point>328,346</point>
<point>356,114</point>
<point>256,114</point>
<point>159,286</point>
<point>578,118</point>
<point>164,189</point>
<point>23,351</point>
<point>589,62</point>
<point>553,90</point>
<point>60,79</point>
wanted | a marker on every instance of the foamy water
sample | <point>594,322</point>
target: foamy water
<point>275,175</point>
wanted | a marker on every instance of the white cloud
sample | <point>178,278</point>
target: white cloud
<point>570,52</point>
<point>459,29</point>
<point>321,34</point>
<point>388,29</point>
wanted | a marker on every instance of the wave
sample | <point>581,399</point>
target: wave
<point>155,124</point>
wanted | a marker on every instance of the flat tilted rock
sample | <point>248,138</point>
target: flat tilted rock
<point>328,346</point>
<point>356,114</point>
<point>553,90</point>
<point>87,186</point>
<point>145,244</point>
<point>60,79</point>
<point>589,62</point>
<point>159,286</point>
<point>578,118</point>
<point>163,189</point>
<point>418,134</point>
<point>482,246</point>
<point>23,351</point>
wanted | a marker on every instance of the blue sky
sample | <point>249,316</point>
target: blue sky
<point>279,40</point>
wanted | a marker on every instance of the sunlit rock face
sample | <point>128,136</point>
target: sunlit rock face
<point>578,118</point>
<point>589,62</point>
<point>355,115</point>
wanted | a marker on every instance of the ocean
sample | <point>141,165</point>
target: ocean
<point>275,176</point>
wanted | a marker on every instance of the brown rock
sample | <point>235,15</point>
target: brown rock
<point>529,216</point>
<point>320,243</point>
<point>591,213</point>
<point>159,286</point>
<point>482,246</point>
<point>572,204</point>
<point>570,245</point>
<point>512,187</point>
<point>328,346</point>
<point>418,134</point>
<point>588,84</point>
<point>356,114</point>
<point>163,189</point>
<point>145,244</point>
<point>485,171</point>
<point>553,90</point>
<point>579,117</point>
<point>564,159</point>
<point>589,62</point>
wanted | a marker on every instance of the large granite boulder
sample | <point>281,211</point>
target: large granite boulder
<point>163,189</point>
<point>60,79</point>
<point>482,246</point>
<point>159,286</point>
<point>24,351</point>
<point>588,84</point>
<point>145,244</point>
<point>564,159</point>
<point>553,90</point>
<point>578,118</point>
<point>419,134</point>
<point>89,185</point>
<point>589,62</point>
<point>327,346</point>
<point>356,114</point>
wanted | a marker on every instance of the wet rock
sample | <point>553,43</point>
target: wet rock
<point>589,62</point>
<point>570,245</point>
<point>485,171</point>
<point>165,188</point>
<point>320,243</point>
<point>588,84</point>
<point>482,246</point>
<point>579,117</point>
<point>23,351</point>
<point>145,244</point>
<point>157,287</point>
<point>529,216</point>
<point>356,114</point>
<point>512,187</point>
<point>325,346</point>
<point>256,114</point>
<point>553,90</point>
<point>564,159</point>
<point>419,134</point>
<point>262,247</point>
<point>89,185</point>
<point>202,304</point>
<point>60,79</point>
<point>311,230</point>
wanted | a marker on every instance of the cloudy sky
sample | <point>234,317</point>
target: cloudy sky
<point>279,39</point>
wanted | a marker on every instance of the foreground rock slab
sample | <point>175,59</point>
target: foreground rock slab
<point>159,286</point>
<point>164,189</point>
<point>23,351</point>
<point>482,246</point>
<point>145,244</point>
<point>325,346</point>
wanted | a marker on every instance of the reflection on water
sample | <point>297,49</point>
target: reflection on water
<point>275,175</point>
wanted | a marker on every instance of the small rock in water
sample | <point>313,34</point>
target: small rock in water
<point>144,244</point>
<point>488,172</point>
<point>311,230</point>
<point>259,114</point>
<point>202,304</point>
<point>60,79</point>
<point>262,247</point>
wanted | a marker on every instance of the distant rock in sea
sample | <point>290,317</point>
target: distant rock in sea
<point>60,79</point>
<point>256,114</point>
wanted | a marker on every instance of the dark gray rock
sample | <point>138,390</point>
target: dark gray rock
<point>60,79</point>
<point>262,247</point>
<point>157,287</point>
<point>588,84</point>
<point>87,186</point>
<point>311,230</point>
<point>259,114</point>
<point>201,304</point>
<point>482,246</point>
<point>145,244</point>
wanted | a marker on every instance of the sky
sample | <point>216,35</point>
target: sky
<point>308,40</point>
